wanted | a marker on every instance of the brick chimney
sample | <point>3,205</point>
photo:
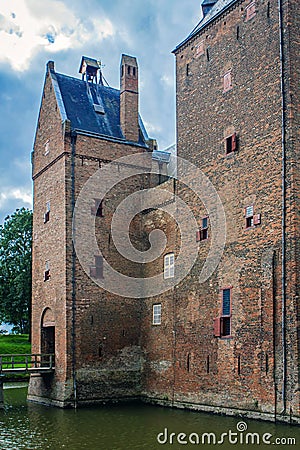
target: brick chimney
<point>129,98</point>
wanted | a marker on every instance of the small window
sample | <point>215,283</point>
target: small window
<point>47,147</point>
<point>128,70</point>
<point>250,11</point>
<point>97,208</point>
<point>227,81</point>
<point>230,144</point>
<point>169,265</point>
<point>187,69</point>
<point>199,49</point>
<point>252,219</point>
<point>249,213</point>
<point>134,71</point>
<point>156,314</point>
<point>47,271</point>
<point>47,213</point>
<point>222,324</point>
<point>202,234</point>
<point>96,271</point>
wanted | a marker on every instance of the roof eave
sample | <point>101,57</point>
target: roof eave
<point>216,16</point>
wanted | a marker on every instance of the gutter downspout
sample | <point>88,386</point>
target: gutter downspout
<point>283,238</point>
<point>73,153</point>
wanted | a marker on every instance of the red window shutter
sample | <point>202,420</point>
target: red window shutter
<point>233,142</point>
<point>217,327</point>
<point>256,219</point>
<point>198,236</point>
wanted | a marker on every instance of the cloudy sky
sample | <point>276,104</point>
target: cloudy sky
<point>33,32</point>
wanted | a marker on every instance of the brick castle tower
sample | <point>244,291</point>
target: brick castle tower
<point>227,344</point>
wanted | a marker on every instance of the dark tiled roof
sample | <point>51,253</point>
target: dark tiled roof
<point>90,107</point>
<point>215,11</point>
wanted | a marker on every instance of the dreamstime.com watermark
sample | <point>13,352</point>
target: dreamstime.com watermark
<point>240,436</point>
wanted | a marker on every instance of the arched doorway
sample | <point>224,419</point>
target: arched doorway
<point>48,332</point>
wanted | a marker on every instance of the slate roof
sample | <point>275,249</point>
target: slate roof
<point>90,107</point>
<point>219,7</point>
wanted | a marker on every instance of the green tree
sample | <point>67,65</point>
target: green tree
<point>15,269</point>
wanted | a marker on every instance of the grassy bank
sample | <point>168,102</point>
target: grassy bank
<point>15,344</point>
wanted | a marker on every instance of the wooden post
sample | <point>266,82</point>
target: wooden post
<point>1,393</point>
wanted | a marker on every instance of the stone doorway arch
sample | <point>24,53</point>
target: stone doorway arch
<point>48,331</point>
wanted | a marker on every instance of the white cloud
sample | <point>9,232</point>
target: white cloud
<point>30,26</point>
<point>11,195</point>
<point>169,81</point>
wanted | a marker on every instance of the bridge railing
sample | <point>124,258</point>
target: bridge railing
<point>36,362</point>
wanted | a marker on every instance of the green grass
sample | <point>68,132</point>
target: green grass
<point>14,344</point>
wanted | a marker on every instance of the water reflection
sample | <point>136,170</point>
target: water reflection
<point>122,427</point>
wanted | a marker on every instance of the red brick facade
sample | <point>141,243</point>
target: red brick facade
<point>228,344</point>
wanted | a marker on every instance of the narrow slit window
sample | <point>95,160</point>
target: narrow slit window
<point>188,362</point>
<point>47,271</point>
<point>230,144</point>
<point>47,213</point>
<point>156,314</point>
<point>169,265</point>
<point>96,271</point>
<point>202,234</point>
<point>97,208</point>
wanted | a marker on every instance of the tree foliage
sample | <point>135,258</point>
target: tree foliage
<point>15,269</point>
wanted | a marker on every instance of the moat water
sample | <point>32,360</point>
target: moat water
<point>131,426</point>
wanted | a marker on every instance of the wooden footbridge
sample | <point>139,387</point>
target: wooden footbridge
<point>22,364</point>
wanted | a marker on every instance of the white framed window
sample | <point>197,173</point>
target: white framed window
<point>169,265</point>
<point>156,314</point>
